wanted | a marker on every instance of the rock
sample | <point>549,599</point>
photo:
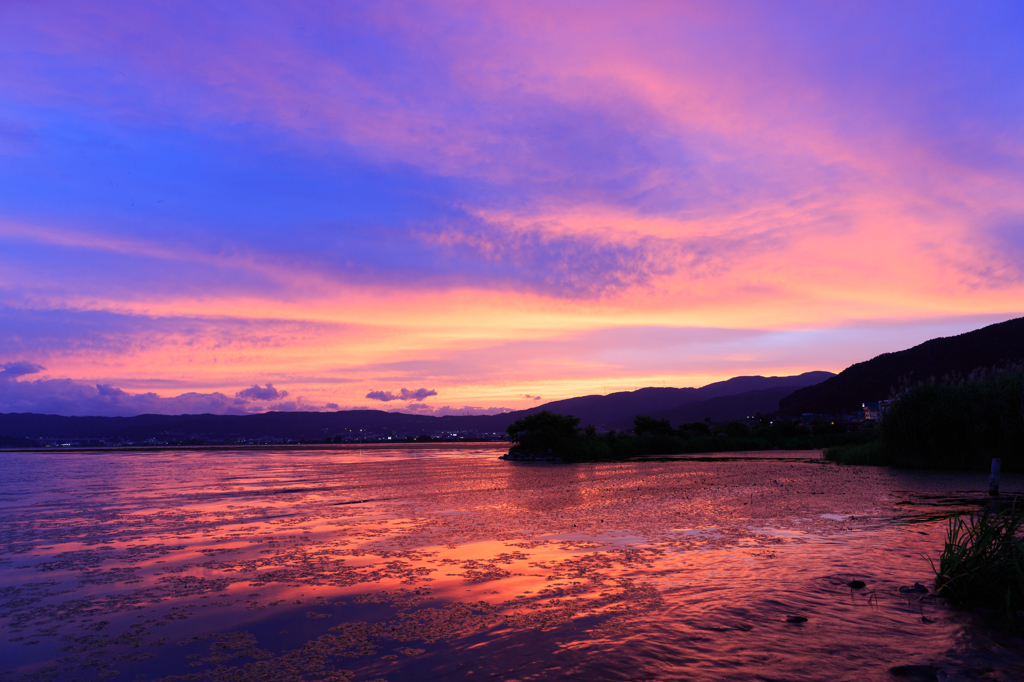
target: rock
<point>918,588</point>
<point>795,619</point>
<point>530,456</point>
<point>914,672</point>
<point>856,584</point>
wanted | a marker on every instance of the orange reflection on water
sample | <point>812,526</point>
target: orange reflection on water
<point>426,563</point>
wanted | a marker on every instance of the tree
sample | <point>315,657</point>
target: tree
<point>543,431</point>
<point>695,429</point>
<point>642,424</point>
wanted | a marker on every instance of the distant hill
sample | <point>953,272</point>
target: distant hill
<point>721,409</point>
<point>16,442</point>
<point>993,346</point>
<point>616,410</point>
<point>732,398</point>
<point>290,425</point>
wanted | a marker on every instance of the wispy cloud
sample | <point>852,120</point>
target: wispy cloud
<point>554,262</point>
<point>46,332</point>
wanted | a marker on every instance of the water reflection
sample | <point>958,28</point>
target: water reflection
<point>441,563</point>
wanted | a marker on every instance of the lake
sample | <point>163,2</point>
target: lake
<point>436,563</point>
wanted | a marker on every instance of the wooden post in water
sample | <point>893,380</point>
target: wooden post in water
<point>993,477</point>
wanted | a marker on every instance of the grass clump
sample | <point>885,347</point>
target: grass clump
<point>982,563</point>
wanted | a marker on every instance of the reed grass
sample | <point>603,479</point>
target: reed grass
<point>982,563</point>
<point>870,453</point>
<point>959,423</point>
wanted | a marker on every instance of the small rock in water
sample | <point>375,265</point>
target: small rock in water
<point>918,588</point>
<point>926,619</point>
<point>856,584</point>
<point>795,619</point>
<point>914,672</point>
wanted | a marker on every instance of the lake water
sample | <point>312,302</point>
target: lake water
<point>439,563</point>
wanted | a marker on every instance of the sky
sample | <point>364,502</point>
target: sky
<point>463,207</point>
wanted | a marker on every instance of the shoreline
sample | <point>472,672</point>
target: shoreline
<point>282,446</point>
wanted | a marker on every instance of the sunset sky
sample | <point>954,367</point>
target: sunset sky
<point>459,207</point>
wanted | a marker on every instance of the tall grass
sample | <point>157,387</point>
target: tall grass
<point>982,564</point>
<point>873,452</point>
<point>959,423</point>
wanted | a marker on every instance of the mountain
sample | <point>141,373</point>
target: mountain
<point>720,409</point>
<point>289,425</point>
<point>616,410</point>
<point>750,395</point>
<point>994,346</point>
<point>16,442</point>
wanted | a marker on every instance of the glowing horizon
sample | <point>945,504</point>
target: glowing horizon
<point>493,203</point>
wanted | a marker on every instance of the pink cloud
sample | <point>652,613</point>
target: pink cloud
<point>255,392</point>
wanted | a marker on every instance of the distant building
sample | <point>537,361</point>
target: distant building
<point>874,411</point>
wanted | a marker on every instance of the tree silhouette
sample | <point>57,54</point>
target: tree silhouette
<point>543,431</point>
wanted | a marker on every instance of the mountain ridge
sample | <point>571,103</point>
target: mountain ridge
<point>616,409</point>
<point>996,345</point>
<point>721,408</point>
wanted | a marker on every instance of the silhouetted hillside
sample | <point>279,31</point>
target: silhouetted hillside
<point>289,425</point>
<point>615,409</point>
<point>721,409</point>
<point>600,410</point>
<point>993,346</point>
